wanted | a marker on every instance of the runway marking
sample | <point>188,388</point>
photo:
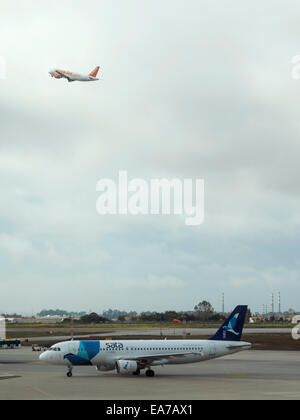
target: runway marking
<point>41,391</point>
<point>196,366</point>
<point>238,373</point>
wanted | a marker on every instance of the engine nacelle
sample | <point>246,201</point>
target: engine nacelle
<point>57,76</point>
<point>126,366</point>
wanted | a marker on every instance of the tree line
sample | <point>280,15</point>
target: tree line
<point>203,312</point>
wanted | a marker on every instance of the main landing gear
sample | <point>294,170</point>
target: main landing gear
<point>150,373</point>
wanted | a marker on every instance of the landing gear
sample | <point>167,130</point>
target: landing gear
<point>137,372</point>
<point>69,373</point>
<point>150,373</point>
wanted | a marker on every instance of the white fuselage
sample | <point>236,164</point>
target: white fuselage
<point>104,354</point>
<point>71,76</point>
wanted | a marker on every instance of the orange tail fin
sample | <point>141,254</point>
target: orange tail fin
<point>94,72</point>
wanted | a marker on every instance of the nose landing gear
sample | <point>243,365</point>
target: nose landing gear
<point>69,373</point>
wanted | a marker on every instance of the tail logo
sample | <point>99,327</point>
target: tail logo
<point>94,72</point>
<point>231,324</point>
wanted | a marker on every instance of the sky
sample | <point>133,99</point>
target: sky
<point>199,89</point>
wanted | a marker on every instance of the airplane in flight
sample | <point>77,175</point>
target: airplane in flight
<point>72,77</point>
<point>132,356</point>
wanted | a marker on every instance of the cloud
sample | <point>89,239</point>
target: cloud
<point>198,91</point>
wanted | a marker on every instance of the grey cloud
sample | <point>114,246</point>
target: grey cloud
<point>202,90</point>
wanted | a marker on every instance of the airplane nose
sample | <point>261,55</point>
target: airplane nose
<point>43,356</point>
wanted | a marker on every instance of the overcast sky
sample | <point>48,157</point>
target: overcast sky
<point>188,89</point>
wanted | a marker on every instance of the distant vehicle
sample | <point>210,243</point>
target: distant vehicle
<point>10,344</point>
<point>36,347</point>
<point>72,77</point>
<point>131,356</point>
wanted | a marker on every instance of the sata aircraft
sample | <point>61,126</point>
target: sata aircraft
<point>131,356</point>
<point>72,77</point>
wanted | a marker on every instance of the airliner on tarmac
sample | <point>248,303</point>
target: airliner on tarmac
<point>72,77</point>
<point>131,356</point>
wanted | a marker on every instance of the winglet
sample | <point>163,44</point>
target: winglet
<point>94,72</point>
<point>232,328</point>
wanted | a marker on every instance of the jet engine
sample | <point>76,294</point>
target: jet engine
<point>57,76</point>
<point>126,366</point>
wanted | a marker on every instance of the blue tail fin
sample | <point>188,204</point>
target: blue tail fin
<point>232,328</point>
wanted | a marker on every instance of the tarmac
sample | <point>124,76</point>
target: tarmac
<point>250,375</point>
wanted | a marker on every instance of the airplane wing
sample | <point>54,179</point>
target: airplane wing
<point>64,75</point>
<point>154,357</point>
